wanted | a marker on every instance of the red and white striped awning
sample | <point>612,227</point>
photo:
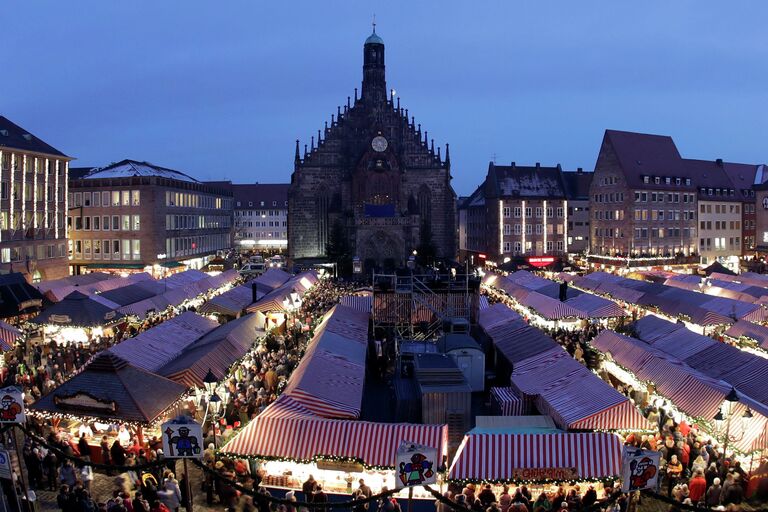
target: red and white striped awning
<point>507,456</point>
<point>507,402</point>
<point>362,303</point>
<point>8,336</point>
<point>284,431</point>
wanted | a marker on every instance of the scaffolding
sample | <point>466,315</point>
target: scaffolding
<point>410,306</point>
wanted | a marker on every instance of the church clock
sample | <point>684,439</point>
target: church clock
<point>379,144</point>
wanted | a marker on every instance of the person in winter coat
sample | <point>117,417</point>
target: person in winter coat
<point>734,494</point>
<point>713,493</point>
<point>67,474</point>
<point>697,486</point>
<point>86,476</point>
<point>486,496</point>
<point>172,493</point>
<point>590,497</point>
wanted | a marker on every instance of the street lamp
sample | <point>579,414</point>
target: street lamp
<point>210,381</point>
<point>725,414</point>
<point>214,402</point>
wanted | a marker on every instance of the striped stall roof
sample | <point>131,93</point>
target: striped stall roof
<point>575,397</point>
<point>596,307</point>
<point>274,301</point>
<point>285,430</point>
<point>157,346</point>
<point>232,302</point>
<point>8,336</point>
<point>507,402</point>
<point>484,304</point>
<point>506,456</point>
<point>755,332</point>
<point>549,308</point>
<point>362,303</point>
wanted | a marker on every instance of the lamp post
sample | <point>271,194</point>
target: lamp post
<point>725,414</point>
<point>214,402</point>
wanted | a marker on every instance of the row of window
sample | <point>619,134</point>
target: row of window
<point>609,214</point>
<point>173,222</point>
<point>658,197</point>
<point>706,243</point>
<point>517,247</point>
<point>105,249</point>
<point>263,224</point>
<point>667,180</point>
<point>30,164</point>
<point>608,180</point>
<point>29,252</point>
<point>617,197</point>
<point>643,232</point>
<point>252,235</point>
<point>105,198</point>
<point>191,245</point>
<point>529,211</point>
<point>261,213</point>
<point>721,224</point>
<point>195,200</point>
<point>719,191</point>
<point>722,208</point>
<point>240,204</point>
<point>102,223</point>
<point>517,229</point>
<point>30,192</point>
<point>31,218</point>
<point>659,215</point>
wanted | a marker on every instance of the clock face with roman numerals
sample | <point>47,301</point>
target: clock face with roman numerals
<point>379,144</point>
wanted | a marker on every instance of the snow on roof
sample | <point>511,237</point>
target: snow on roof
<point>129,168</point>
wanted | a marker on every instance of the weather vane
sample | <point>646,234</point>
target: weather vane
<point>374,23</point>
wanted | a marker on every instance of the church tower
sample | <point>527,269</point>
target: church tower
<point>373,175</point>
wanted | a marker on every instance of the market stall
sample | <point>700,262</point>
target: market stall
<point>8,337</point>
<point>56,291</point>
<point>274,308</point>
<point>506,402</point>
<point>537,458</point>
<point>231,303</point>
<point>111,398</point>
<point>18,299</point>
<point>77,318</point>
<point>291,443</point>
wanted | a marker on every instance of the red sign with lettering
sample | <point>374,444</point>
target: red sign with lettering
<point>541,261</point>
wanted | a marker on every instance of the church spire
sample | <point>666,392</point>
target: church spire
<point>297,156</point>
<point>447,155</point>
<point>374,81</point>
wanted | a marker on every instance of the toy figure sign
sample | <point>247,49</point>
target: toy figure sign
<point>12,406</point>
<point>640,469</point>
<point>182,439</point>
<point>416,465</point>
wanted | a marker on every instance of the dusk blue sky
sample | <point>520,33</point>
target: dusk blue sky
<point>221,90</point>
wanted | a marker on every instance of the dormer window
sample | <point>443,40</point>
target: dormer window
<point>709,192</point>
<point>657,180</point>
<point>687,181</point>
<point>677,181</point>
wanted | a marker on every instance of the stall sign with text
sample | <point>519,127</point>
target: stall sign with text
<point>415,465</point>
<point>541,474</point>
<point>182,440</point>
<point>12,405</point>
<point>639,469</point>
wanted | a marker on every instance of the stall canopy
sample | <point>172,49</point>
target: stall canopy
<point>161,344</point>
<point>744,370</point>
<point>230,303</point>
<point>544,374</point>
<point>329,379</point>
<point>76,280</point>
<point>58,292</point>
<point>495,455</point>
<point>755,332</point>
<point>109,388</point>
<point>596,307</point>
<point>362,303</point>
<point>8,336</point>
<point>507,401</point>
<point>287,431</point>
<point>217,350</point>
<point>275,301</point>
<point>78,310</point>
<point>17,297</point>
<point>271,279</point>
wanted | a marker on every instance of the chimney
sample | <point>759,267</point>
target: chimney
<point>538,165</point>
<point>719,162</point>
<point>579,170</point>
<point>254,293</point>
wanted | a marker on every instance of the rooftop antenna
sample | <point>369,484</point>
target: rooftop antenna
<point>374,23</point>
<point>494,159</point>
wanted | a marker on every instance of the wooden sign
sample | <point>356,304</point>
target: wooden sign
<point>539,474</point>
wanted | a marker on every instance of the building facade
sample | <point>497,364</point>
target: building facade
<point>577,188</point>
<point>261,217</point>
<point>137,216</point>
<point>33,205</point>
<point>523,211</point>
<point>642,198</point>
<point>373,177</point>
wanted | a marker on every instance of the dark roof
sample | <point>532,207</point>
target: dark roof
<point>742,176</point>
<point>15,137</point>
<point>255,193</point>
<point>577,184</point>
<point>525,181</point>
<point>78,309</point>
<point>642,154</point>
<point>110,388</point>
<point>15,292</point>
<point>709,174</point>
<point>719,268</point>
<point>75,173</point>
<point>135,292</point>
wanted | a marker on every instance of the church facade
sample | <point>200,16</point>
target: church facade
<point>373,175</point>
